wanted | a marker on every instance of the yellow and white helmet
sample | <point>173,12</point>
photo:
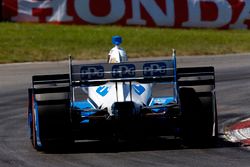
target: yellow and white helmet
<point>117,54</point>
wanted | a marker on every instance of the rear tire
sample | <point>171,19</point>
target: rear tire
<point>50,123</point>
<point>199,121</point>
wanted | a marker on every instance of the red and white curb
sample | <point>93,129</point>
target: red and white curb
<point>239,132</point>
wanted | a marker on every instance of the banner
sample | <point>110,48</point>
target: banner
<point>224,14</point>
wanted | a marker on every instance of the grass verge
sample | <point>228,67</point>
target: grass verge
<point>43,42</point>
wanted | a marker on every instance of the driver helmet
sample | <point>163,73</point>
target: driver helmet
<point>117,54</point>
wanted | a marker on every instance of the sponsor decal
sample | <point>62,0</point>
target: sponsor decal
<point>123,71</point>
<point>155,69</point>
<point>92,72</point>
<point>102,90</point>
<point>139,89</point>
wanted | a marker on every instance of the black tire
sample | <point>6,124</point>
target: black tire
<point>199,120</point>
<point>125,118</point>
<point>50,122</point>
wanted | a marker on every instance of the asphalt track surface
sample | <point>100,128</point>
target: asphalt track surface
<point>233,98</point>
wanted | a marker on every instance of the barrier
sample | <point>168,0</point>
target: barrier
<point>225,14</point>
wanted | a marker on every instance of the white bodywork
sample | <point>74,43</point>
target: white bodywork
<point>105,96</point>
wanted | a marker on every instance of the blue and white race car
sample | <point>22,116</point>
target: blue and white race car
<point>123,100</point>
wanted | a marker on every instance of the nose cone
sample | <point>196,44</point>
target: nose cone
<point>117,40</point>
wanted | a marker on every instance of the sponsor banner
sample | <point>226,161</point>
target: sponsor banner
<point>225,14</point>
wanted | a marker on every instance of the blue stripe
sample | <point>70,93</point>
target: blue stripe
<point>82,105</point>
<point>37,128</point>
<point>86,121</point>
<point>87,113</point>
<point>161,101</point>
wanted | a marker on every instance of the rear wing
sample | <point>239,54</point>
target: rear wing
<point>50,89</point>
<point>201,79</point>
<point>203,75</point>
<point>143,72</point>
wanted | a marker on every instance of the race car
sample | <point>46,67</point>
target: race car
<point>123,100</point>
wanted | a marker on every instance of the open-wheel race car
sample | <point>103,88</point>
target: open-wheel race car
<point>123,100</point>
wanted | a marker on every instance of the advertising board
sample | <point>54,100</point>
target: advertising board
<point>225,14</point>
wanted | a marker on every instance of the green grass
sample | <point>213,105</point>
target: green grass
<point>40,42</point>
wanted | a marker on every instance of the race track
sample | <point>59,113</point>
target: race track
<point>233,99</point>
